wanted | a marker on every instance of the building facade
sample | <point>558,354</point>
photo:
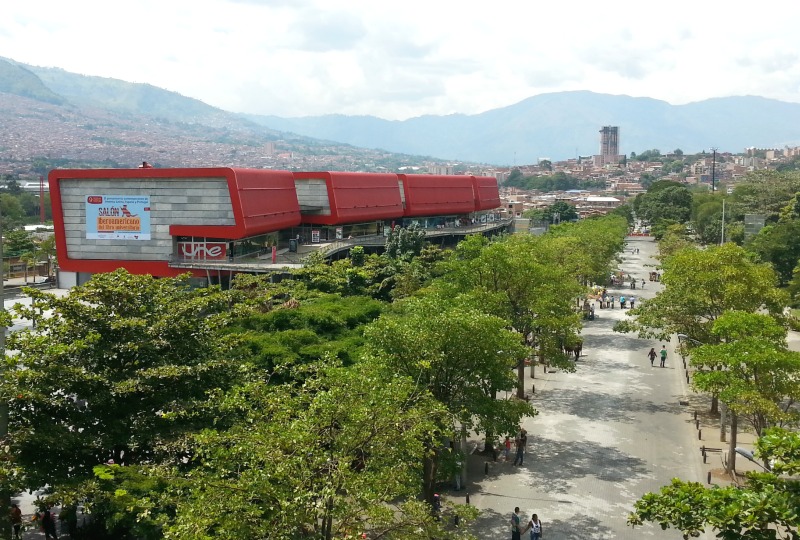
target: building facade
<point>609,144</point>
<point>165,222</point>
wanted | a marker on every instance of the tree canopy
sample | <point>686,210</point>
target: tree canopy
<point>765,508</point>
<point>699,286</point>
<point>116,370</point>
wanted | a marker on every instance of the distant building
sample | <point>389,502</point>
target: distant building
<point>609,145</point>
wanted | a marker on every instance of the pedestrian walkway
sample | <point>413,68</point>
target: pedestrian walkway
<point>605,435</point>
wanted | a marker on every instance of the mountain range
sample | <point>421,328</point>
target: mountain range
<point>561,125</point>
<point>555,126</point>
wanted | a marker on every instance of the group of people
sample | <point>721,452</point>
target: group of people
<point>46,519</point>
<point>652,355</point>
<point>534,525</point>
<point>607,301</point>
<point>520,441</point>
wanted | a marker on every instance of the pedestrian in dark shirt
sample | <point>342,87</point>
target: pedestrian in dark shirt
<point>49,523</point>
<point>16,520</point>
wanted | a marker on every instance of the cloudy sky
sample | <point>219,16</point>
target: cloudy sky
<point>397,60</point>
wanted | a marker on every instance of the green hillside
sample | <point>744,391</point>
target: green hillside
<point>17,80</point>
<point>125,97</point>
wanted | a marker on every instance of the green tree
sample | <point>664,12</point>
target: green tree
<point>119,369</point>
<point>648,155</point>
<point>752,371</point>
<point>561,211</point>
<point>47,247</point>
<point>765,192</point>
<point>334,457</point>
<point>518,279</point>
<point>18,241</point>
<point>701,285</point>
<point>513,177</point>
<point>13,214</point>
<point>672,240</point>
<point>29,259</point>
<point>779,245</point>
<point>459,355</point>
<point>299,333</point>
<point>405,242</point>
<point>664,201</point>
<point>765,508</point>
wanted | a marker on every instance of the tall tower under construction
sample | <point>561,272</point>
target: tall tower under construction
<point>609,144</point>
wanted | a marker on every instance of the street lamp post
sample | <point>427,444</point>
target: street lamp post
<point>748,454</point>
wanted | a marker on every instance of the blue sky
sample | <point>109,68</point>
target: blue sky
<point>397,60</point>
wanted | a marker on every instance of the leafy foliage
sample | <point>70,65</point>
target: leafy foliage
<point>667,201</point>
<point>701,285</point>
<point>328,459</point>
<point>460,356</point>
<point>751,370</point>
<point>118,369</point>
<point>779,245</point>
<point>766,508</point>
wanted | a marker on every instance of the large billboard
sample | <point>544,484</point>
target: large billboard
<point>113,217</point>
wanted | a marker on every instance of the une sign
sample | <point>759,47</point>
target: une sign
<point>204,251</point>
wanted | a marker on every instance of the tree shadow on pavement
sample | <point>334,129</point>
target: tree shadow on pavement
<point>599,406</point>
<point>492,524</point>
<point>555,464</point>
<point>578,527</point>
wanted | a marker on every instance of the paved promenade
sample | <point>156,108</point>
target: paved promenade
<point>605,435</point>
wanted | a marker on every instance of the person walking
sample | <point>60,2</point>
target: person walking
<point>631,300</point>
<point>507,447</point>
<point>16,520</point>
<point>663,355</point>
<point>516,531</point>
<point>535,526</point>
<point>642,284</point>
<point>652,355</point>
<point>520,449</point>
<point>49,523</point>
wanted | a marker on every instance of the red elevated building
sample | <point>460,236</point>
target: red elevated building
<point>212,220</point>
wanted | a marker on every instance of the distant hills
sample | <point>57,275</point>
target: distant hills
<point>555,126</point>
<point>566,124</point>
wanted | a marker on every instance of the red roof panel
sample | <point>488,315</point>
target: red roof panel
<point>437,195</point>
<point>356,197</point>
<point>487,194</point>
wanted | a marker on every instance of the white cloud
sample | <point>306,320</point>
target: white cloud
<point>397,60</point>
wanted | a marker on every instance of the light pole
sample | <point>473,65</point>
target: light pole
<point>748,454</point>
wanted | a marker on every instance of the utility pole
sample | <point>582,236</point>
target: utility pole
<point>722,237</point>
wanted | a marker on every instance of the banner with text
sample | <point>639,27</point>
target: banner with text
<point>112,217</point>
